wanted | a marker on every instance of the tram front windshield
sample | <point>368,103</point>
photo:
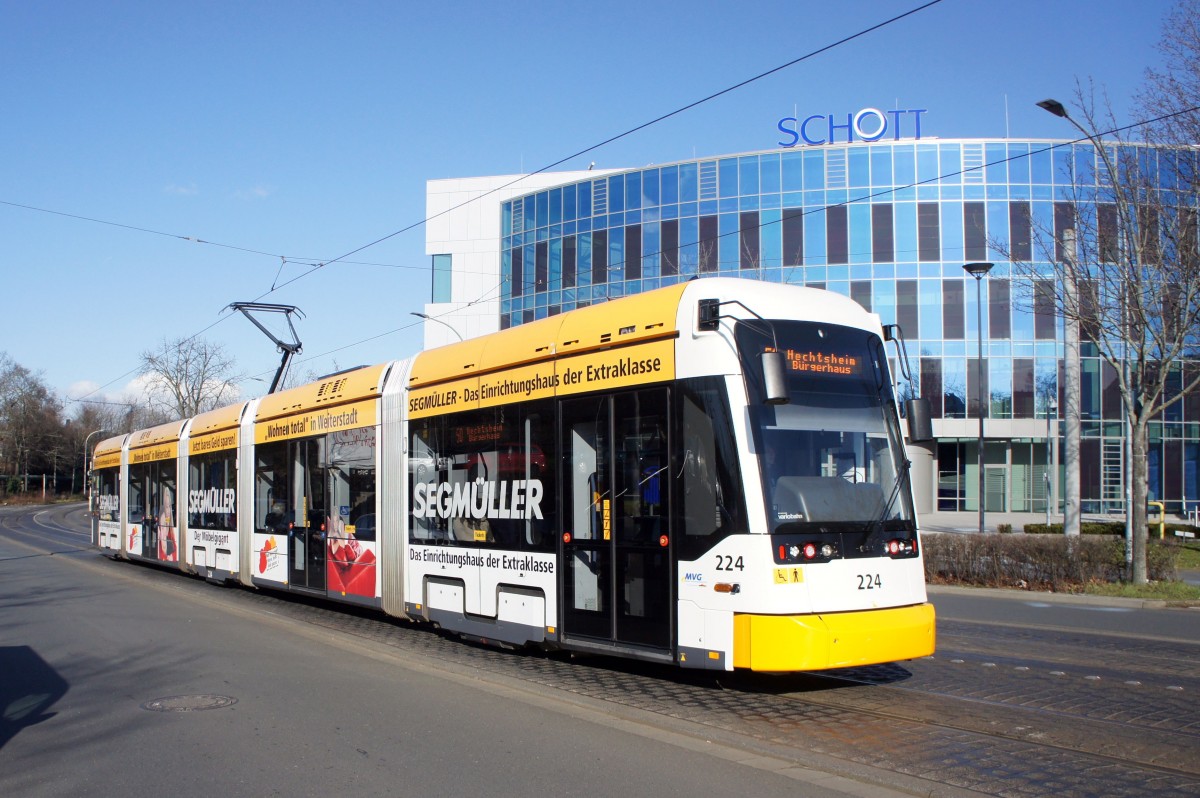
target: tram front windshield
<point>831,456</point>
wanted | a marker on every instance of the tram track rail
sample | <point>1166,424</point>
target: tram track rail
<point>912,726</point>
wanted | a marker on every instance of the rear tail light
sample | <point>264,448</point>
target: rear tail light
<point>811,551</point>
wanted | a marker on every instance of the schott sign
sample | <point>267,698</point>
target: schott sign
<point>869,124</point>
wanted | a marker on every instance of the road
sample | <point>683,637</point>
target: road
<point>1025,696</point>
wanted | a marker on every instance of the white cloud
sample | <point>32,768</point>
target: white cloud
<point>254,193</point>
<point>181,191</point>
<point>82,388</point>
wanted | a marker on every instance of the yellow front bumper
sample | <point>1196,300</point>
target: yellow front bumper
<point>833,640</point>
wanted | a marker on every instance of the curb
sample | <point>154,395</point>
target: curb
<point>1060,598</point>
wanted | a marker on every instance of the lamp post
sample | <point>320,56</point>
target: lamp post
<point>427,317</point>
<point>1071,416</point>
<point>1051,410</point>
<point>86,441</point>
<point>978,270</point>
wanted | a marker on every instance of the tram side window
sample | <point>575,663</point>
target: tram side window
<point>311,462</point>
<point>137,484</point>
<point>485,477</point>
<point>641,465</point>
<point>272,488</point>
<point>109,503</point>
<point>711,492</point>
<point>352,483</point>
<point>165,490</point>
<point>212,486</point>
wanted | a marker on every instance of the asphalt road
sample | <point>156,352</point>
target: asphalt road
<point>1028,694</point>
<point>1050,612</point>
<point>94,651</point>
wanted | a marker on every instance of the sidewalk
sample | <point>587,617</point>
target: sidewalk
<point>969,522</point>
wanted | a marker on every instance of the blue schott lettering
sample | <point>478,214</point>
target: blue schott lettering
<point>869,124</point>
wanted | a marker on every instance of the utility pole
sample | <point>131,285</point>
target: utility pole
<point>1071,410</point>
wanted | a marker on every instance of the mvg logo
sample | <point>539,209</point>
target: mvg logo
<point>693,578</point>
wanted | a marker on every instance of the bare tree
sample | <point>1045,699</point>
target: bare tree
<point>187,376</point>
<point>1135,269</point>
<point>1171,95</point>
<point>31,427</point>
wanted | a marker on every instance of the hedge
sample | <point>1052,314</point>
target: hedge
<point>1037,562</point>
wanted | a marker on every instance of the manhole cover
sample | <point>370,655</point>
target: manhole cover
<point>189,703</point>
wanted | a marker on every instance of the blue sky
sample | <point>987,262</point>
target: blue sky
<point>308,130</point>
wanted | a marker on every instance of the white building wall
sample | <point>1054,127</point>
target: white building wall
<point>467,227</point>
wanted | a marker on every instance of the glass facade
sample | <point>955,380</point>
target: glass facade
<point>889,224</point>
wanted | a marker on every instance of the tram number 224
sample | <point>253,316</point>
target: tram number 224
<point>727,562</point>
<point>869,582</point>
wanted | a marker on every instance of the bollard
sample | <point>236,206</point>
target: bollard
<point>1162,518</point>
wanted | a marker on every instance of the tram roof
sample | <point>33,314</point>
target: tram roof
<point>163,433</point>
<point>219,419</point>
<point>110,445</point>
<point>336,389</point>
<point>622,321</point>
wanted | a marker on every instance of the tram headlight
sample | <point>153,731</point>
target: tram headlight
<point>901,548</point>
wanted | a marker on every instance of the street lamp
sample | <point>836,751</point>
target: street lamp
<point>427,317</point>
<point>1071,417</point>
<point>1051,410</point>
<point>978,270</point>
<point>86,441</point>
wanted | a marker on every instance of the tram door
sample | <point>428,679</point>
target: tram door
<point>306,561</point>
<point>616,519</point>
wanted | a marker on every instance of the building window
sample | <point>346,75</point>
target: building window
<point>517,282</point>
<point>952,309</point>
<point>541,267</point>
<point>568,261</point>
<point>883,249</point>
<point>442,269</point>
<point>1111,407</point>
<point>1106,222</point>
<point>1044,327</point>
<point>907,314</point>
<point>708,243</point>
<point>999,317</point>
<point>860,292</point>
<point>670,248</point>
<point>931,384</point>
<point>1023,386</point>
<point>749,256</point>
<point>976,396</point>
<point>599,257</point>
<point>1020,231</point>
<point>929,239</point>
<point>633,252</point>
<point>793,237</point>
<point>1064,219</point>
<point>974,231</point>
<point>837,237</point>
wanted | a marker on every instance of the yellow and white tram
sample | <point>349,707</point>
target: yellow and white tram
<point>711,474</point>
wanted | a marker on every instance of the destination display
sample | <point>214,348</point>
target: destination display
<point>810,361</point>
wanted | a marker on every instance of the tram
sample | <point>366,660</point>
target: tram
<point>711,474</point>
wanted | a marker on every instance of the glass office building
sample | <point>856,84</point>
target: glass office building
<point>889,224</point>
